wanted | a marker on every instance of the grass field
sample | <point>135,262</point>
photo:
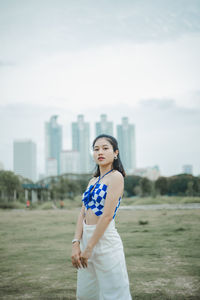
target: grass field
<point>160,200</point>
<point>162,255</point>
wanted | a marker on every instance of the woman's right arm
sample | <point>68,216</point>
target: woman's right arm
<point>79,224</point>
<point>76,251</point>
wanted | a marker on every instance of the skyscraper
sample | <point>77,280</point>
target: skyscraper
<point>81,143</point>
<point>104,126</point>
<point>127,147</point>
<point>51,167</point>
<point>53,142</point>
<point>70,162</point>
<point>187,169</point>
<point>24,158</point>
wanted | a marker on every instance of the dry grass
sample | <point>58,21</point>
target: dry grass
<point>162,256</point>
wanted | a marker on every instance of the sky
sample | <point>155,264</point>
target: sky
<point>139,59</point>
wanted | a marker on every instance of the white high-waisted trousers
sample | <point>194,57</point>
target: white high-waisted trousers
<point>106,276</point>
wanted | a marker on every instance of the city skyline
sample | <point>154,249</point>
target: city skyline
<point>69,153</point>
<point>139,59</point>
<point>78,159</point>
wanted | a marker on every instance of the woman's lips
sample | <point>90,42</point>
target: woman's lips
<point>100,158</point>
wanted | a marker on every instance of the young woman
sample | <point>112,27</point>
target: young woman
<point>97,249</point>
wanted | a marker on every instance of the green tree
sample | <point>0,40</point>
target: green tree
<point>62,187</point>
<point>137,190</point>
<point>154,191</point>
<point>190,190</point>
<point>130,183</point>
<point>161,185</point>
<point>74,189</point>
<point>196,186</point>
<point>9,182</point>
<point>146,186</point>
<point>178,184</point>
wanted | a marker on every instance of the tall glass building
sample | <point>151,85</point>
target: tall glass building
<point>24,159</point>
<point>81,143</point>
<point>70,162</point>
<point>104,126</point>
<point>53,142</point>
<point>187,169</point>
<point>127,147</point>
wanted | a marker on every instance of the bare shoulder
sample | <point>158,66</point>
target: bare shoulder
<point>116,177</point>
<point>92,180</point>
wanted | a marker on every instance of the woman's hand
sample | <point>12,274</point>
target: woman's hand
<point>84,256</point>
<point>76,254</point>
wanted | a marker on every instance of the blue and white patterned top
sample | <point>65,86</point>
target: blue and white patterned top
<point>95,199</point>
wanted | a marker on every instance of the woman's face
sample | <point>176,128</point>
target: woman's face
<point>103,152</point>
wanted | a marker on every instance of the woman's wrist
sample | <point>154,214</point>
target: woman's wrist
<point>89,247</point>
<point>75,240</point>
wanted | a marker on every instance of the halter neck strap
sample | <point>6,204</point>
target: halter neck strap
<point>104,175</point>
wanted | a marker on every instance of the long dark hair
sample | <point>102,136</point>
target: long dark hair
<point>117,164</point>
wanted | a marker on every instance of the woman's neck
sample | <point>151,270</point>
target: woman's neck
<point>104,169</point>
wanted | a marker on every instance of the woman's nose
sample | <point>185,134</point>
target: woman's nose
<point>100,151</point>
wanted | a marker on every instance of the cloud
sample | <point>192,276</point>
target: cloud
<point>7,63</point>
<point>158,103</point>
<point>162,113</point>
<point>35,28</point>
<point>194,97</point>
<point>135,21</point>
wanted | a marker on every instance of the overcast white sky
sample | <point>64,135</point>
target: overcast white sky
<point>136,58</point>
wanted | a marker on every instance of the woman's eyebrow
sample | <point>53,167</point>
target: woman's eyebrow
<point>102,146</point>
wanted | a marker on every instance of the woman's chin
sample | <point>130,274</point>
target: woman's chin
<point>104,163</point>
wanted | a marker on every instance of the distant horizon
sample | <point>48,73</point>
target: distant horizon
<point>45,177</point>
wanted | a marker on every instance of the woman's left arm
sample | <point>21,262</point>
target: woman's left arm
<point>115,188</point>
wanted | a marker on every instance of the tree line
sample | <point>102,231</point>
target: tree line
<point>63,187</point>
<point>177,185</point>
